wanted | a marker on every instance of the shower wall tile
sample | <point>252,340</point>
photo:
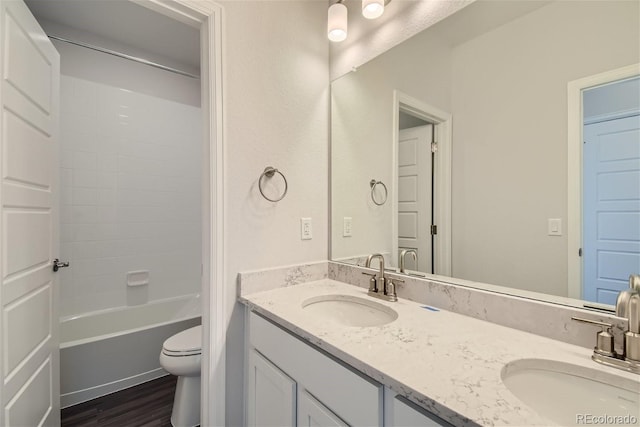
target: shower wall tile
<point>130,178</point>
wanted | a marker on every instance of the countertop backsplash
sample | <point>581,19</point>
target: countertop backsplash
<point>529,315</point>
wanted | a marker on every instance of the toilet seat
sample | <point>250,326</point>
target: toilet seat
<point>185,343</point>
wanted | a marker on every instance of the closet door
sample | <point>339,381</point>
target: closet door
<point>271,399</point>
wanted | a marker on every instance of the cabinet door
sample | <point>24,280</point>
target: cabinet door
<point>406,414</point>
<point>312,413</point>
<point>271,399</point>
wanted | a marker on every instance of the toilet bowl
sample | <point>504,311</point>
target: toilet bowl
<point>180,356</point>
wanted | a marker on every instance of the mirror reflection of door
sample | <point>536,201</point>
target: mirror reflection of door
<point>611,189</point>
<point>415,192</point>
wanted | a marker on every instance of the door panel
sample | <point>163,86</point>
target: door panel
<point>33,310</point>
<point>611,211</point>
<point>29,353</point>
<point>26,240</point>
<point>25,147</point>
<point>32,403</point>
<point>28,67</point>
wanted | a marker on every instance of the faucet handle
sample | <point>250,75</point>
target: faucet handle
<point>372,281</point>
<point>604,338</point>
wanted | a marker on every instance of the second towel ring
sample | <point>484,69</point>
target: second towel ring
<point>269,171</point>
<point>373,183</point>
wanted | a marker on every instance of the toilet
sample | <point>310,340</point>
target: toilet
<point>181,356</point>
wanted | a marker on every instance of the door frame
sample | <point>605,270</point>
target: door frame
<point>208,17</point>
<point>574,168</point>
<point>442,173</point>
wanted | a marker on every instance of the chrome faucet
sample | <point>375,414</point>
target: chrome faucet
<point>380,286</point>
<point>628,307</point>
<point>404,252</point>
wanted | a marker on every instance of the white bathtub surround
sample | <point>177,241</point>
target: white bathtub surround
<point>130,196</point>
<point>263,280</point>
<point>526,314</point>
<point>443,361</point>
<point>110,350</point>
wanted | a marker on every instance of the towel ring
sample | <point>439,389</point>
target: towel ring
<point>269,172</point>
<point>373,183</point>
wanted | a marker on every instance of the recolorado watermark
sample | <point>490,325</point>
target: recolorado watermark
<point>591,419</point>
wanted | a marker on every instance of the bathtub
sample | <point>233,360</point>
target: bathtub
<point>110,350</point>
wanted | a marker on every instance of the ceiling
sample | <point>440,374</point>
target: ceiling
<point>127,23</point>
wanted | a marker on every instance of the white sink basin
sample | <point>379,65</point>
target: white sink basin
<point>348,310</point>
<point>562,392</point>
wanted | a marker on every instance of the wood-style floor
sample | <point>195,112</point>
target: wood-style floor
<point>147,405</point>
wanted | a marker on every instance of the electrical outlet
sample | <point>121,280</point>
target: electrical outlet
<point>347,226</point>
<point>306,229</point>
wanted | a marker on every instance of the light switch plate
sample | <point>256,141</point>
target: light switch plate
<point>347,226</point>
<point>306,229</point>
<point>554,226</point>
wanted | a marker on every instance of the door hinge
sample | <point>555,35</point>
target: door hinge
<point>434,147</point>
<point>580,252</point>
<point>434,230</point>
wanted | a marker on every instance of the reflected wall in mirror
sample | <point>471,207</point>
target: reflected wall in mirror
<point>501,72</point>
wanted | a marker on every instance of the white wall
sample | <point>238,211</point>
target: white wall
<point>361,135</point>
<point>100,67</point>
<point>276,113</point>
<point>509,161</point>
<point>130,188</point>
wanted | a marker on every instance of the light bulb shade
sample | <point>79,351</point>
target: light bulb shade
<point>337,22</point>
<point>372,9</point>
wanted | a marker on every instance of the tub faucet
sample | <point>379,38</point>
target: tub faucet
<point>404,252</point>
<point>380,286</point>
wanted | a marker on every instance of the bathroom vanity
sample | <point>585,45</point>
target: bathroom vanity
<point>400,363</point>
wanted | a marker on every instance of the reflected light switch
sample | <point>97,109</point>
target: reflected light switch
<point>554,226</point>
<point>347,226</point>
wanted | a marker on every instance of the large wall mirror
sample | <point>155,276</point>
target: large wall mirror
<point>499,146</point>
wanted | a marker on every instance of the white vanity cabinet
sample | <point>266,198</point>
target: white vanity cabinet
<point>324,391</point>
<point>291,383</point>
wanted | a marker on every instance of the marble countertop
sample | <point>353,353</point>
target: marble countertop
<point>447,363</point>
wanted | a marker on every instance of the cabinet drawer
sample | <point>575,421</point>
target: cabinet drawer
<point>355,399</point>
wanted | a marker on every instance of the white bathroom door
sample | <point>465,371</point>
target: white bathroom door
<point>611,207</point>
<point>29,96</point>
<point>414,195</point>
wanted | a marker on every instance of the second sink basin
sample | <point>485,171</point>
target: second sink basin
<point>348,310</point>
<point>568,394</point>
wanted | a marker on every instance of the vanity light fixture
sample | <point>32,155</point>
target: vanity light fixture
<point>372,9</point>
<point>337,22</point>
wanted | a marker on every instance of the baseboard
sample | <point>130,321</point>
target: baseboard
<point>80,396</point>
